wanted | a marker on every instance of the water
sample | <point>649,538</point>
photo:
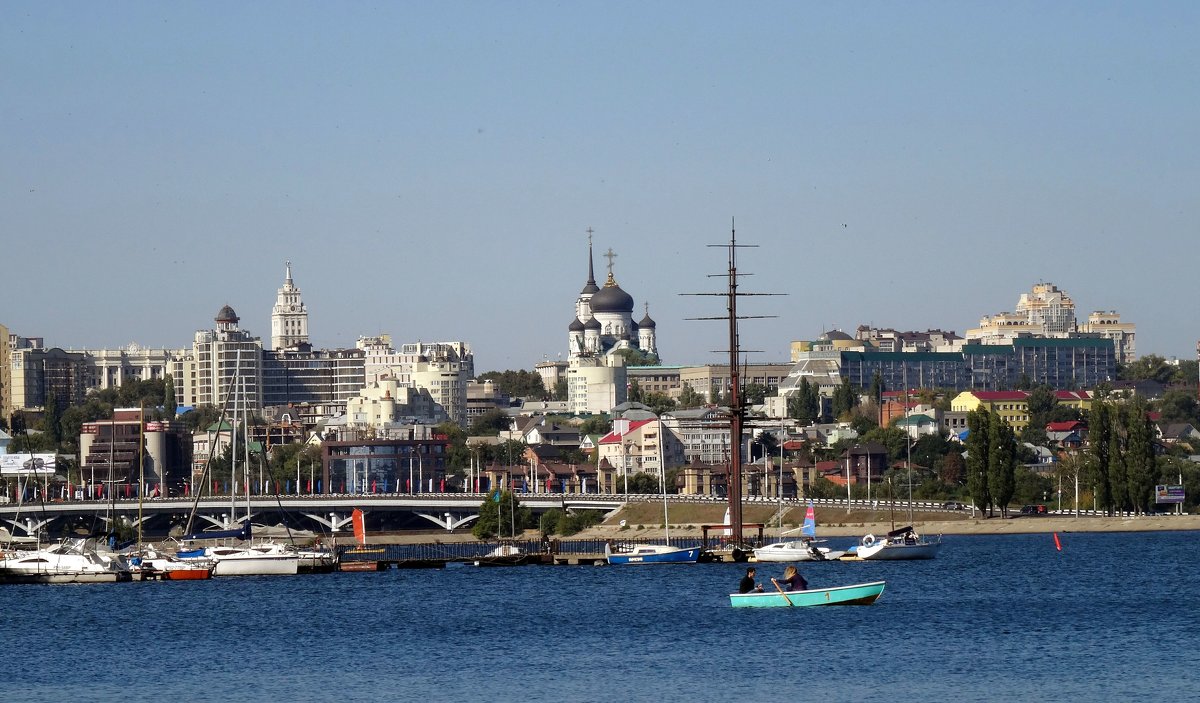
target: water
<point>1109,618</point>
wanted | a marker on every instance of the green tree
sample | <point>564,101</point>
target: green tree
<point>805,404</point>
<point>201,417</point>
<point>635,391</point>
<point>170,404</point>
<point>637,357</point>
<point>893,438</point>
<point>658,403</point>
<point>1100,431</point>
<point>1177,405</point>
<point>951,469</point>
<point>505,517</point>
<point>754,393</point>
<point>489,424</point>
<point>560,389</point>
<point>689,398</point>
<point>1140,461</point>
<point>1002,462</point>
<point>642,483</point>
<point>50,424</point>
<point>978,426</point>
<point>1148,368</point>
<point>845,399</point>
<point>1117,478</point>
<point>517,384</point>
<point>596,424</point>
<point>877,388</point>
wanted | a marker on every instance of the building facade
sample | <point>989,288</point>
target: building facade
<point>218,357</point>
<point>289,317</point>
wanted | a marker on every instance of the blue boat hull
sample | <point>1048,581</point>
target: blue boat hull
<point>677,556</point>
<point>858,594</point>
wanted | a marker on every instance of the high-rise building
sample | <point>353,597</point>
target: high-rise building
<point>218,357</point>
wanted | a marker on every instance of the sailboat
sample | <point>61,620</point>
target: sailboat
<point>803,549</point>
<point>903,543</point>
<point>653,553</point>
<point>262,559</point>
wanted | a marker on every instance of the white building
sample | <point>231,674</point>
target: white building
<point>596,384</point>
<point>443,369</point>
<point>218,356</point>
<point>388,402</point>
<point>289,317</point>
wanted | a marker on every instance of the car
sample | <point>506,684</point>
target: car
<point>954,505</point>
<point>1033,510</point>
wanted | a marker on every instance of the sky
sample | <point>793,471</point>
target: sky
<point>431,168</point>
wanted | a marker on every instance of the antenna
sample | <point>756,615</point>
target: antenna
<point>737,410</point>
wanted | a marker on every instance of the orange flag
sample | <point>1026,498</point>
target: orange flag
<point>1057,544</point>
<point>360,529</point>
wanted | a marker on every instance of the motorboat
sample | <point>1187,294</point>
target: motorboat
<point>259,559</point>
<point>857,594</point>
<point>73,560</point>
<point>796,550</point>
<point>900,544</point>
<point>152,564</point>
<point>650,554</point>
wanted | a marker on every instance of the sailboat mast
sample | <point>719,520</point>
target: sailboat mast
<point>735,411</point>
<point>141,467</point>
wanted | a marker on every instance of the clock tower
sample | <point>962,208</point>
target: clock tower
<point>289,317</point>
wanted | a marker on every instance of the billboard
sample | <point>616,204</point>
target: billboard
<point>1168,494</point>
<point>27,464</point>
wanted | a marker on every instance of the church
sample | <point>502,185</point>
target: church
<point>604,321</point>
<point>603,327</point>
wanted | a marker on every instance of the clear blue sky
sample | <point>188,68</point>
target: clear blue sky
<point>431,168</point>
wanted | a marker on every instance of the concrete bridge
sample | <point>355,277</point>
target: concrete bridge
<point>331,513</point>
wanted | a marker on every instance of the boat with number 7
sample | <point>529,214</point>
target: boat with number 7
<point>858,594</point>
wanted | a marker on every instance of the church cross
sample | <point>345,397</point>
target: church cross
<point>610,255</point>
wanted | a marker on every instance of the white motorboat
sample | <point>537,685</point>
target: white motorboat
<point>796,550</point>
<point>263,559</point>
<point>900,544</point>
<point>73,560</point>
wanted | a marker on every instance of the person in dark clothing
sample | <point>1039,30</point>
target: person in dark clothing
<point>747,584</point>
<point>792,580</point>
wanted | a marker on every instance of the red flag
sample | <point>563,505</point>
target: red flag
<point>1057,544</point>
<point>360,529</point>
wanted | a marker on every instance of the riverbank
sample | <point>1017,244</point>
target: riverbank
<point>644,520</point>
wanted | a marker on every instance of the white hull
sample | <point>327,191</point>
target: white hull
<point>885,551</point>
<point>253,565</point>
<point>71,561</point>
<point>793,552</point>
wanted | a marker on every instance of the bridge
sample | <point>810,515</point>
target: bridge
<point>331,513</point>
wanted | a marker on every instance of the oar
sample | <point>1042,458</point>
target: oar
<point>781,592</point>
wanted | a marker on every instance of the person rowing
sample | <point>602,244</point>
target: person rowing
<point>791,581</point>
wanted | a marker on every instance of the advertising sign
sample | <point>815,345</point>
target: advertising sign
<point>26,464</point>
<point>1168,494</point>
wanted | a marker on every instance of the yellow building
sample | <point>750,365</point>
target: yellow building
<point>1013,406</point>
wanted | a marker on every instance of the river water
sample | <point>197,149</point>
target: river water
<point>1111,617</point>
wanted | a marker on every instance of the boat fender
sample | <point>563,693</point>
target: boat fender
<point>868,540</point>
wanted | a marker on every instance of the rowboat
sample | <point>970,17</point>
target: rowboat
<point>858,594</point>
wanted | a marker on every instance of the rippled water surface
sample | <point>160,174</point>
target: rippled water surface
<point>1110,618</point>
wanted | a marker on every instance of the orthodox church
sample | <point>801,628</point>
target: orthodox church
<point>604,321</point>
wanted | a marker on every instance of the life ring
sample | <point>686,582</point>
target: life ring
<point>868,540</point>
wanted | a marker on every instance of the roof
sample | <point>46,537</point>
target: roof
<point>614,438</point>
<point>993,396</point>
<point>1068,426</point>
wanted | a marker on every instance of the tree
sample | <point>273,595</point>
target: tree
<point>689,398</point>
<point>1140,461</point>
<point>658,403</point>
<point>489,424</point>
<point>951,469</point>
<point>978,425</point>
<point>1178,405</point>
<point>877,388</point>
<point>1148,368</point>
<point>1002,462</point>
<point>637,357</point>
<point>200,417</point>
<point>844,399</point>
<point>560,389</point>
<point>50,421</point>
<point>635,391</point>
<point>501,515</point>
<point>516,384</point>
<point>596,424</point>
<point>641,483</point>
<point>1100,430</point>
<point>895,439</point>
<point>1117,479</point>
<point>754,393</point>
<point>805,404</point>
<point>170,404</point>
